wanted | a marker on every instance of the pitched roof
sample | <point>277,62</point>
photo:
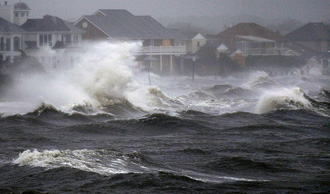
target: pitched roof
<point>250,29</point>
<point>7,27</point>
<point>20,6</point>
<point>50,24</point>
<point>254,39</point>
<point>310,32</point>
<point>124,25</point>
<point>115,12</point>
<point>222,47</point>
<point>305,52</point>
<point>152,25</point>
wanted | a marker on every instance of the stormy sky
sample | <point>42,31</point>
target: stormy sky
<point>302,10</point>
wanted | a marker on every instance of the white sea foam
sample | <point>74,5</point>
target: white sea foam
<point>104,163</point>
<point>98,161</point>
<point>291,98</point>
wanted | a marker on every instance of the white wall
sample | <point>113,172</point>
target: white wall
<point>6,12</point>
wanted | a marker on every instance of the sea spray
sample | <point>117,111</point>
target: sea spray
<point>100,78</point>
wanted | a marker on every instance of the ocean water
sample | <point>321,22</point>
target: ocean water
<point>99,127</point>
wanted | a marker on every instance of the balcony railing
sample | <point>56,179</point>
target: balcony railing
<point>160,50</point>
<point>262,51</point>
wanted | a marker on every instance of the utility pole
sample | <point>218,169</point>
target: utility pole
<point>193,68</point>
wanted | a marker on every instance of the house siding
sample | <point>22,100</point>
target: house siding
<point>195,46</point>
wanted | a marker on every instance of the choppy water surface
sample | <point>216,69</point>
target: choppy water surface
<point>100,128</point>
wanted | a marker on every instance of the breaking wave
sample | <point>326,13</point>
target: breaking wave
<point>110,163</point>
<point>101,82</point>
<point>260,79</point>
<point>98,161</point>
<point>284,98</point>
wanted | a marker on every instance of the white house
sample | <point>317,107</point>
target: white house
<point>11,40</point>
<point>194,42</point>
<point>52,40</point>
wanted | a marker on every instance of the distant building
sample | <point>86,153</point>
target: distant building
<point>11,40</point>
<point>194,42</point>
<point>252,39</point>
<point>315,36</point>
<point>55,33</point>
<point>164,45</point>
<point>36,37</point>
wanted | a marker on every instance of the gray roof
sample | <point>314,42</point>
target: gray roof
<point>50,24</point>
<point>124,25</point>
<point>254,39</point>
<point>250,29</point>
<point>7,27</point>
<point>310,32</point>
<point>20,6</point>
<point>115,12</point>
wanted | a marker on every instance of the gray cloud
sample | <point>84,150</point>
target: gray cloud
<point>303,10</point>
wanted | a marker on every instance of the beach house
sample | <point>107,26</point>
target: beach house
<point>161,47</point>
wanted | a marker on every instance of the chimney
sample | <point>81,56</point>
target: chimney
<point>6,3</point>
<point>47,16</point>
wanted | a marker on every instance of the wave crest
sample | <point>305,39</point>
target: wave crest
<point>98,161</point>
<point>260,79</point>
<point>284,98</point>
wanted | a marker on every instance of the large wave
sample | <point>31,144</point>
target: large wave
<point>285,98</point>
<point>102,81</point>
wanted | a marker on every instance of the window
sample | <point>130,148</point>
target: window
<point>16,15</point>
<point>68,38</point>
<point>75,39</point>
<point>255,45</point>
<point>50,40</point>
<point>45,40</point>
<point>22,14</point>
<point>8,44</point>
<point>2,44</point>
<point>41,40</point>
<point>17,43</point>
<point>198,44</point>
